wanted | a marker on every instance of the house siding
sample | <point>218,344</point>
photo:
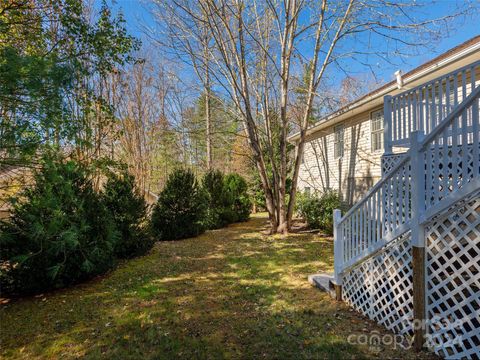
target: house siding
<point>359,168</point>
<point>352,174</point>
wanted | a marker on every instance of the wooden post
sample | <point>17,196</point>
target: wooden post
<point>337,254</point>
<point>418,267</point>
<point>387,124</point>
<point>418,237</point>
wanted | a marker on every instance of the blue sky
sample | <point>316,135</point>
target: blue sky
<point>138,17</point>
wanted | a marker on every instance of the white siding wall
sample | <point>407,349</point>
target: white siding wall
<point>354,173</point>
<point>360,167</point>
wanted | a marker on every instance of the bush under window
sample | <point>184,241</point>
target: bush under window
<point>318,211</point>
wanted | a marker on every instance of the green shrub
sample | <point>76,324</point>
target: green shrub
<point>257,194</point>
<point>218,201</point>
<point>227,199</point>
<point>180,211</point>
<point>129,211</point>
<point>236,189</point>
<point>301,199</point>
<point>60,232</point>
<point>318,211</point>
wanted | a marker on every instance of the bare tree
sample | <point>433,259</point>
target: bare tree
<point>207,85</point>
<point>195,50</point>
<point>146,139</point>
<point>256,52</point>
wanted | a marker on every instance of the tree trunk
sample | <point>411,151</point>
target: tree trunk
<point>208,126</point>
<point>207,106</point>
<point>286,55</point>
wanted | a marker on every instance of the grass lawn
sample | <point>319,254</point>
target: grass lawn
<point>230,293</point>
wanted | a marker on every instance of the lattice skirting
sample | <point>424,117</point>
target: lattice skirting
<point>453,282</point>
<point>381,287</point>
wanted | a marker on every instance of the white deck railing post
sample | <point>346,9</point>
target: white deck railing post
<point>387,124</point>
<point>417,186</point>
<point>337,254</point>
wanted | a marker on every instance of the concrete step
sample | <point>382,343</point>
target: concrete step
<point>324,282</point>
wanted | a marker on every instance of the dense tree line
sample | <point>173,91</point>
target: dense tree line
<point>99,123</point>
<point>56,62</point>
<point>72,77</point>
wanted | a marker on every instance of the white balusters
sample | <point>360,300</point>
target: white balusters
<point>475,138</point>
<point>423,107</point>
<point>431,174</point>
<point>387,126</point>
<point>452,151</point>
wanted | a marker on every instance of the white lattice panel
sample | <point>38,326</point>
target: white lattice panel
<point>381,287</point>
<point>356,289</point>
<point>453,282</point>
<point>389,161</point>
<point>461,166</point>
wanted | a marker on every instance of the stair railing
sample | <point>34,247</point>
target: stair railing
<point>424,107</point>
<point>438,170</point>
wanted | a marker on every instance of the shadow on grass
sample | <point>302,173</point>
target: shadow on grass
<point>230,293</point>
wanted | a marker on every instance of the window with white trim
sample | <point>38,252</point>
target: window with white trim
<point>376,126</point>
<point>338,141</point>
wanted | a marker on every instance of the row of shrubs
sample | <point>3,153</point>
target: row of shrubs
<point>63,231</point>
<point>187,207</point>
<point>317,210</point>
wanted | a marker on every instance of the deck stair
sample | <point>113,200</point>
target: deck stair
<point>427,203</point>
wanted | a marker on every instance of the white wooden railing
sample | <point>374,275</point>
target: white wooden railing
<point>424,107</point>
<point>439,169</point>
<point>381,216</point>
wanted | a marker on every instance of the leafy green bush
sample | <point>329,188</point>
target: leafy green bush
<point>218,202</point>
<point>257,194</point>
<point>60,232</point>
<point>180,211</point>
<point>236,189</point>
<point>318,211</point>
<point>301,199</point>
<point>129,211</point>
<point>227,199</point>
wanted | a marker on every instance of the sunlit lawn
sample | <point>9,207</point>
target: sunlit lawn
<point>231,293</point>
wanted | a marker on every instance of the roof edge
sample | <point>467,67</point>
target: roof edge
<point>464,49</point>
